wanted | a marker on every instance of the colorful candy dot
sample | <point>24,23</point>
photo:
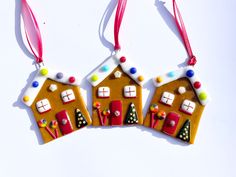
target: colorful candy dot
<point>105,68</point>
<point>53,124</point>
<point>35,84</point>
<point>59,75</point>
<point>42,123</point>
<point>203,96</point>
<point>154,108</point>
<point>159,79</point>
<point>44,72</point>
<point>106,112</point>
<point>171,74</point>
<point>122,59</point>
<point>94,78</point>
<point>197,85</point>
<point>133,70</point>
<point>190,73</point>
<point>97,105</point>
<point>140,78</point>
<point>72,79</point>
<point>161,115</point>
<point>26,98</point>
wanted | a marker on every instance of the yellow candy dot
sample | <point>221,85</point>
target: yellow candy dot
<point>44,72</point>
<point>203,96</point>
<point>159,79</point>
<point>94,78</point>
<point>26,98</point>
<point>140,78</point>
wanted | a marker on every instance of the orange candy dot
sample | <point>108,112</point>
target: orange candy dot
<point>26,98</point>
<point>140,78</point>
<point>159,79</point>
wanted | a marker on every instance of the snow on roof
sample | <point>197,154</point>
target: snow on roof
<point>41,76</point>
<point>109,65</point>
<point>185,72</point>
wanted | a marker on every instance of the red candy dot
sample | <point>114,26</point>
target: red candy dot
<point>72,79</point>
<point>197,85</point>
<point>122,59</point>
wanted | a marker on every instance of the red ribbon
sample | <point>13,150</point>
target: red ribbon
<point>32,31</point>
<point>118,19</point>
<point>183,33</point>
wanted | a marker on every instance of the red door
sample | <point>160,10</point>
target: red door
<point>170,123</point>
<point>116,112</point>
<point>64,122</point>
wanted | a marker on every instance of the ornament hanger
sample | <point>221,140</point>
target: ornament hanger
<point>118,20</point>
<point>32,32</point>
<point>183,33</point>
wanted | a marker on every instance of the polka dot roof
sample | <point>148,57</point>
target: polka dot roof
<point>110,64</point>
<point>41,76</point>
<point>185,72</point>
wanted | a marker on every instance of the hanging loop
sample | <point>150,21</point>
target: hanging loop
<point>32,31</point>
<point>183,33</point>
<point>118,19</point>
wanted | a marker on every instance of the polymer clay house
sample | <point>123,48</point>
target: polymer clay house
<point>57,104</point>
<point>116,93</point>
<point>177,104</point>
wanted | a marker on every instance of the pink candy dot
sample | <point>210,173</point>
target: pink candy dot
<point>197,85</point>
<point>72,79</point>
<point>122,59</point>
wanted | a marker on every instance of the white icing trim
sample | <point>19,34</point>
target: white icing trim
<point>32,92</point>
<point>112,62</point>
<point>181,73</point>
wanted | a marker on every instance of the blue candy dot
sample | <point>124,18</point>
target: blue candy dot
<point>171,74</point>
<point>133,70</point>
<point>190,73</point>
<point>35,84</point>
<point>105,68</point>
<point>59,75</point>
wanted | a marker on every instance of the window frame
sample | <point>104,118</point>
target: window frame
<point>130,91</point>
<point>193,107</point>
<point>72,93</point>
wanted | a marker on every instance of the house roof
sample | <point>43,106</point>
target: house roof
<point>185,72</point>
<point>106,68</point>
<point>41,76</point>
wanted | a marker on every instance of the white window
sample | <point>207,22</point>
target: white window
<point>167,98</point>
<point>68,96</point>
<point>130,91</point>
<point>43,106</point>
<point>103,92</point>
<point>188,107</point>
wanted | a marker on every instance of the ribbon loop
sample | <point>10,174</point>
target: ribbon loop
<point>183,33</point>
<point>192,61</point>
<point>32,31</point>
<point>118,19</point>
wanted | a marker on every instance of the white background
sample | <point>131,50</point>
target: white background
<point>70,31</point>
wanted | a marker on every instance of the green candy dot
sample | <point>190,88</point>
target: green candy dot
<point>203,96</point>
<point>94,78</point>
<point>44,72</point>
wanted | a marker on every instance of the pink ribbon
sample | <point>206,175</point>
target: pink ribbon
<point>183,33</point>
<point>118,19</point>
<point>32,31</point>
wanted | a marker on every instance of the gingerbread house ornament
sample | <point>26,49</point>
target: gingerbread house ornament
<point>57,104</point>
<point>177,104</point>
<point>116,93</point>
